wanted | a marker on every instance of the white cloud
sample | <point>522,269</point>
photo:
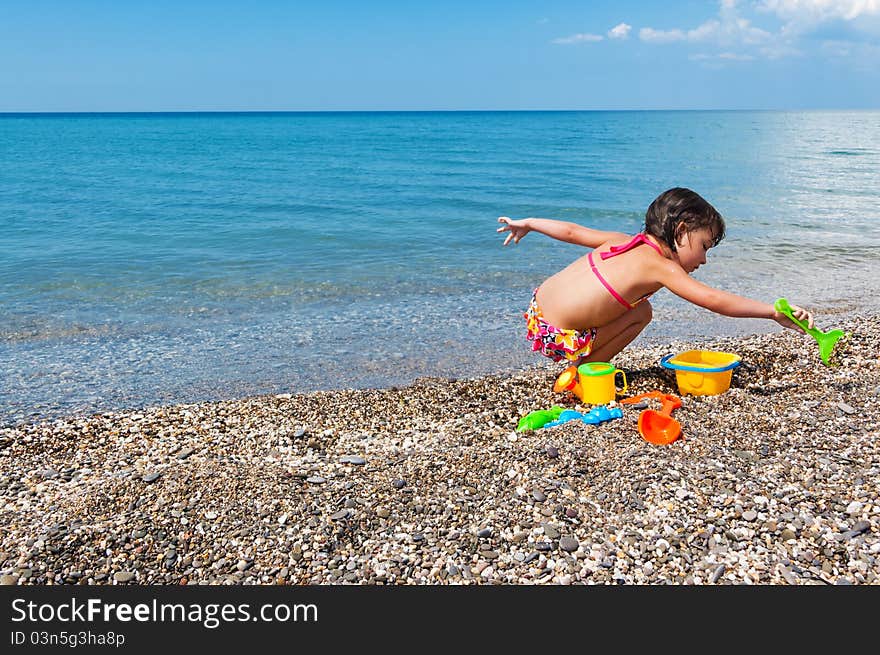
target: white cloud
<point>721,60</point>
<point>779,50</point>
<point>651,35</point>
<point>727,30</point>
<point>805,16</point>
<point>736,38</point>
<point>620,31</point>
<point>816,11</point>
<point>578,38</point>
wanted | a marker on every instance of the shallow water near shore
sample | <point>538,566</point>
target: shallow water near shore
<point>176,258</point>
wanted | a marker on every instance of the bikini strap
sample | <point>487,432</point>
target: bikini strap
<point>604,282</point>
<point>632,243</point>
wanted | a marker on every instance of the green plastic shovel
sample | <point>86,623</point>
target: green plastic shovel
<point>826,340</point>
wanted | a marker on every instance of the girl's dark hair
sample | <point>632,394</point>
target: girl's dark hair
<point>680,205</point>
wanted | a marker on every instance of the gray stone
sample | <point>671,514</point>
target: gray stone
<point>123,576</point>
<point>353,459</point>
<point>846,409</point>
<point>787,534</point>
<point>859,528</point>
<point>855,507</point>
<point>550,531</point>
<point>484,533</point>
<point>186,453</point>
<point>539,495</point>
<point>151,477</point>
<point>341,514</point>
<point>569,544</point>
<point>788,575</point>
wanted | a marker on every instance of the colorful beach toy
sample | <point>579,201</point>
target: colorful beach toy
<point>594,416</point>
<point>658,428</point>
<point>826,340</point>
<point>538,418</point>
<point>702,372</point>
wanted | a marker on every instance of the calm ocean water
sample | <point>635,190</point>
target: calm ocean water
<point>182,257</point>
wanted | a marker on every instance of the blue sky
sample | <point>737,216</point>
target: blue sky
<point>450,55</point>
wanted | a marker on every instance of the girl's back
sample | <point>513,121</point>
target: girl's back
<point>576,298</point>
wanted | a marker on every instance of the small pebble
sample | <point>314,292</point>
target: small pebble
<point>846,409</point>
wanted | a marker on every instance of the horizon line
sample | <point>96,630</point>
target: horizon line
<point>410,111</point>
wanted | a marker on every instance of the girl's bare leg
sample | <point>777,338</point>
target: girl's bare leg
<point>614,337</point>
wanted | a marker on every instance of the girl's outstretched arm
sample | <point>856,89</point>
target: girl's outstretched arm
<point>674,278</point>
<point>560,230</point>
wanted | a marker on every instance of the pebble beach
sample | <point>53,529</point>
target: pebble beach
<point>775,482</point>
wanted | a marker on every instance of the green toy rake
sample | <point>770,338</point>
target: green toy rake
<point>826,340</point>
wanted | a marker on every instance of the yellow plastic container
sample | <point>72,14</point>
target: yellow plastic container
<point>702,372</point>
<point>593,382</point>
<point>598,382</point>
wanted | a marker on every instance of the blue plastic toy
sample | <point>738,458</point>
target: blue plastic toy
<point>566,416</point>
<point>595,416</point>
<point>601,414</point>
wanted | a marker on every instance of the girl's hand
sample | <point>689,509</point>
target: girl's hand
<point>517,229</point>
<point>799,313</point>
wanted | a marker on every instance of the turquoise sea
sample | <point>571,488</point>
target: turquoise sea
<point>154,258</point>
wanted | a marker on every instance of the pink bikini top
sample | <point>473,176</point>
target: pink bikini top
<point>613,252</point>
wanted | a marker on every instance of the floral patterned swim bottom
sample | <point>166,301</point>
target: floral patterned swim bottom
<point>553,342</point>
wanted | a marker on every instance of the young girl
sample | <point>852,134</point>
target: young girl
<point>590,310</point>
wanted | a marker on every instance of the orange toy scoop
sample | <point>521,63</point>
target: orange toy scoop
<point>658,427</point>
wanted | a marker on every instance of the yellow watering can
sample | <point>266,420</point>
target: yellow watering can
<point>593,382</point>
